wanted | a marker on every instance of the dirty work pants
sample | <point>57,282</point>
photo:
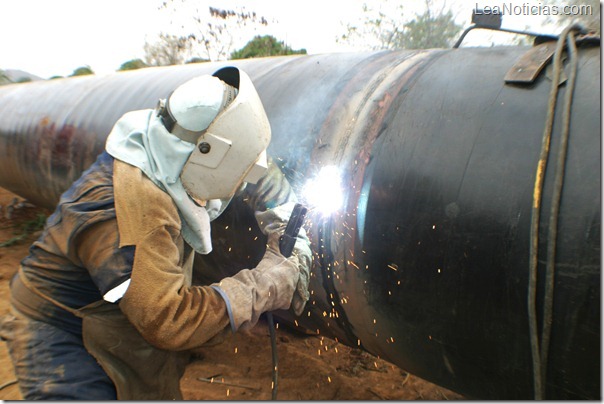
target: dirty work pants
<point>52,364</point>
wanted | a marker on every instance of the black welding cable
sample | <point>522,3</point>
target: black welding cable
<point>271,330</point>
<point>534,232</point>
<point>538,382</point>
<point>555,208</point>
<point>7,384</point>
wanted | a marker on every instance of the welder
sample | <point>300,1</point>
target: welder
<point>103,307</point>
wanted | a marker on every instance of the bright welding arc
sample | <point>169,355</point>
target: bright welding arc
<point>323,192</point>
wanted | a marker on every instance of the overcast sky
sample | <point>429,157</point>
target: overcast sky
<point>48,38</point>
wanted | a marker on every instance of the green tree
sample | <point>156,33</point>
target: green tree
<point>435,27</point>
<point>585,12</point>
<point>4,79</point>
<point>167,50</point>
<point>262,46</point>
<point>132,65</point>
<point>428,30</point>
<point>210,32</point>
<point>196,60</point>
<point>376,29</point>
<point>82,71</point>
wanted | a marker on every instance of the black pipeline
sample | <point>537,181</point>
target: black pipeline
<point>427,263</point>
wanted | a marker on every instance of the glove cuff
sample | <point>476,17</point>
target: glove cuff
<point>238,299</point>
<point>250,293</point>
<point>227,301</point>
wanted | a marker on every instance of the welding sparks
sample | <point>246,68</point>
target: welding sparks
<point>324,192</point>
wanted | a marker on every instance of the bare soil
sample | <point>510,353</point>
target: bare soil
<point>240,368</point>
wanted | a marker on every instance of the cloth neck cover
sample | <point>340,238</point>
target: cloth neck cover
<point>140,139</point>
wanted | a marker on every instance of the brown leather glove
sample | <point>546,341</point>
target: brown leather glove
<point>274,221</point>
<point>270,286</point>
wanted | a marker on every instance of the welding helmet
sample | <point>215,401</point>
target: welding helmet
<point>223,116</point>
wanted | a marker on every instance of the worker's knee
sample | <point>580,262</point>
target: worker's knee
<point>52,364</point>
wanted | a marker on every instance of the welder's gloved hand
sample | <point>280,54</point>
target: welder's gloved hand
<point>270,286</point>
<point>272,190</point>
<point>274,221</point>
<point>303,253</point>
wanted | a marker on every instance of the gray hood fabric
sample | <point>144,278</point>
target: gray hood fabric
<point>139,138</point>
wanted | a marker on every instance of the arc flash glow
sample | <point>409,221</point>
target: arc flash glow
<point>324,192</point>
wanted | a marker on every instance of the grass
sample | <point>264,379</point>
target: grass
<point>27,228</point>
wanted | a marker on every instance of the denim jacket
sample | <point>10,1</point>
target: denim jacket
<point>58,265</point>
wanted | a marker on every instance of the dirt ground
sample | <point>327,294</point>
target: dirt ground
<point>310,367</point>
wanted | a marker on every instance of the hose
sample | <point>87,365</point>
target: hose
<point>7,384</point>
<point>553,220</point>
<point>271,330</point>
<point>539,349</point>
<point>287,242</point>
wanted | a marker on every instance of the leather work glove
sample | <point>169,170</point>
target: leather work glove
<point>270,286</point>
<point>274,221</point>
<point>272,190</point>
<point>273,199</point>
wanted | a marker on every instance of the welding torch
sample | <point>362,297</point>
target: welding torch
<point>287,241</point>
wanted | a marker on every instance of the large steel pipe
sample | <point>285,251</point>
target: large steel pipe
<point>427,264</point>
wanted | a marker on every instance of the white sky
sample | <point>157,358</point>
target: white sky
<point>48,38</point>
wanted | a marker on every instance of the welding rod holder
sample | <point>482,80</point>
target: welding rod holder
<point>288,239</point>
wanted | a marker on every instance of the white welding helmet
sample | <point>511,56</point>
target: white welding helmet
<point>192,106</point>
<point>232,149</point>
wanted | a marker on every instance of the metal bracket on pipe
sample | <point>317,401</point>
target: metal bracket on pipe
<point>528,67</point>
<point>492,21</point>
